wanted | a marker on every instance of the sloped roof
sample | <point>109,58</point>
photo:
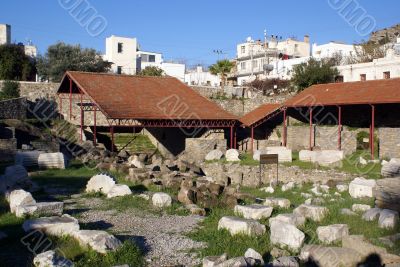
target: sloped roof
<point>350,93</point>
<point>259,113</point>
<point>141,97</point>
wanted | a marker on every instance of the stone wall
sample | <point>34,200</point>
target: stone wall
<point>13,109</point>
<point>240,107</point>
<point>34,90</point>
<point>198,148</point>
<point>235,173</point>
<point>324,137</point>
<point>389,142</point>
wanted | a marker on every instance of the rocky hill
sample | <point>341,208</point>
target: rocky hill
<point>386,35</point>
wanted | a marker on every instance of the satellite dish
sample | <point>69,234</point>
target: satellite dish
<point>268,67</point>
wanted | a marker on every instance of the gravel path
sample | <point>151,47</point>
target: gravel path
<point>161,237</point>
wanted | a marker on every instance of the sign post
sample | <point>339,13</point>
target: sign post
<point>266,159</point>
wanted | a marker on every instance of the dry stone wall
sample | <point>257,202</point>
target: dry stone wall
<point>13,109</point>
<point>389,142</point>
<point>33,91</point>
<point>324,137</point>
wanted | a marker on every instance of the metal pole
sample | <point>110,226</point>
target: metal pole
<point>252,140</point>
<point>70,99</point>
<point>94,128</point>
<point>311,131</point>
<point>81,118</point>
<point>372,132</point>
<point>340,128</point>
<point>112,138</point>
<point>284,128</point>
<point>234,139</point>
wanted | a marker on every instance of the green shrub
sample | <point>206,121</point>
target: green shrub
<point>10,90</point>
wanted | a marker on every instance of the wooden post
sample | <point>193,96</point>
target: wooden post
<point>339,128</point>
<point>252,140</point>
<point>94,128</point>
<point>371,140</point>
<point>311,130</point>
<point>284,128</point>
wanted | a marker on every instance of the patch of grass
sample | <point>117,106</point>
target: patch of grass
<point>74,178</point>
<point>220,241</point>
<point>128,253</point>
<point>135,143</point>
<point>351,165</point>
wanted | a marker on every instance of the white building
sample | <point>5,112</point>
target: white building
<point>257,59</point>
<point>148,59</point>
<point>382,68</point>
<point>333,48</point>
<point>127,58</point>
<point>173,69</point>
<point>123,53</point>
<point>200,77</point>
<point>5,34</point>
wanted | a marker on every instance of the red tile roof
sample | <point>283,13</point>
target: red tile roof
<point>259,113</point>
<point>140,97</point>
<point>350,93</point>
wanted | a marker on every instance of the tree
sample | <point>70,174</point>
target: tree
<point>62,57</point>
<point>10,90</point>
<point>222,68</point>
<point>15,65</point>
<point>151,71</point>
<point>367,52</point>
<point>314,72</point>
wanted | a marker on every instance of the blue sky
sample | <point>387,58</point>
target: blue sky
<point>190,30</point>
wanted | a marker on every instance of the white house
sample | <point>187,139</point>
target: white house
<point>332,49</point>
<point>5,34</point>
<point>257,59</point>
<point>148,59</point>
<point>122,52</point>
<point>198,76</point>
<point>127,58</point>
<point>382,68</point>
<point>174,69</point>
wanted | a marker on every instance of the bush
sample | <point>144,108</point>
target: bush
<point>10,90</point>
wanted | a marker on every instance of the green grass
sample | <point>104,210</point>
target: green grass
<point>67,247</point>
<point>220,241</point>
<point>349,165</point>
<point>73,179</point>
<point>141,142</point>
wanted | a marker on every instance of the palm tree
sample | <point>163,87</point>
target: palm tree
<point>222,68</point>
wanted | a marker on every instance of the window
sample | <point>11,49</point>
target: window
<point>120,48</point>
<point>339,79</point>
<point>243,49</point>
<point>386,75</point>
<point>119,70</point>
<point>255,63</point>
<point>152,58</point>
<point>243,65</point>
<point>363,77</point>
